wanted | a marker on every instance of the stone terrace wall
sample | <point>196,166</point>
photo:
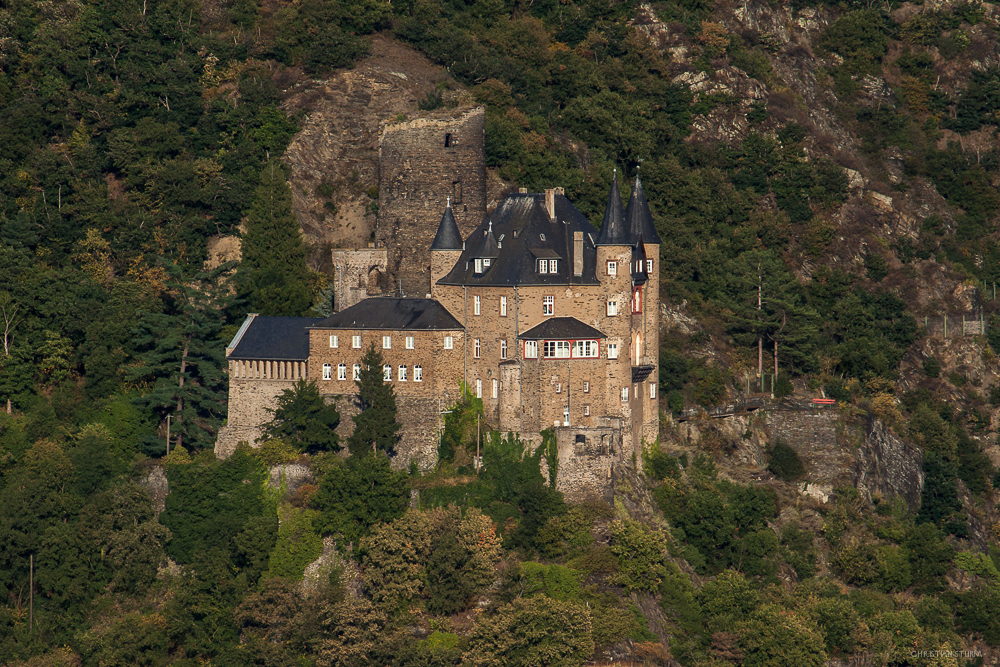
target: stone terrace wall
<point>813,436</point>
<point>418,437</point>
<point>357,275</point>
<point>249,401</point>
<point>417,173</point>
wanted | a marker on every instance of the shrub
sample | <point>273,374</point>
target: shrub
<point>640,551</point>
<point>784,462</point>
<point>932,367</point>
<point>532,631</point>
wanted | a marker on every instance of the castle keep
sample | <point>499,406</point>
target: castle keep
<point>550,321</point>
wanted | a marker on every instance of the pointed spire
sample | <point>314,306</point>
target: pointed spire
<point>489,247</point>
<point>638,218</point>
<point>613,230</point>
<point>448,237</point>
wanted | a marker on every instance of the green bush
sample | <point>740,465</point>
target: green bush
<point>784,462</point>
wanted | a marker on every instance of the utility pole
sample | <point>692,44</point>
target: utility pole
<point>31,593</point>
<point>168,435</point>
<point>760,338</point>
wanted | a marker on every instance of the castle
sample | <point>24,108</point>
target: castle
<point>550,321</point>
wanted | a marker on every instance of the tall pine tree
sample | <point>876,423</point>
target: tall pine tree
<point>273,277</point>
<point>375,427</point>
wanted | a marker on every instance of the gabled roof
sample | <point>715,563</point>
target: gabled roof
<point>448,237</point>
<point>523,232</point>
<point>383,313</point>
<point>613,229</point>
<point>561,328</point>
<point>489,247</point>
<point>638,218</point>
<point>273,338</point>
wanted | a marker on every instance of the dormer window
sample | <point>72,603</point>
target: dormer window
<point>479,266</point>
<point>483,264</point>
<point>543,266</point>
<point>553,266</point>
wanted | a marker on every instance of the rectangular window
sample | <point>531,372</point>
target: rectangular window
<point>486,263</point>
<point>558,387</point>
<point>612,268</point>
<point>496,387</point>
<point>402,374</point>
<point>612,308</point>
<point>479,388</point>
<point>652,390</point>
<point>342,372</point>
<point>556,349</point>
<point>479,266</point>
<point>387,373</point>
<point>649,266</point>
<point>503,306</point>
<point>585,348</point>
<point>386,342</point>
<point>503,348</point>
<point>612,350</point>
<point>356,342</point>
<point>333,341</point>
<point>637,300</point>
<point>531,349</point>
<point>586,411</point>
<point>409,342</point>
<point>449,342</point>
<point>586,387</point>
<point>543,266</point>
<point>327,372</point>
<point>553,266</point>
<point>476,305</point>
<point>624,394</point>
<point>548,305</point>
<point>476,349</point>
<point>418,373</point>
<point>357,372</point>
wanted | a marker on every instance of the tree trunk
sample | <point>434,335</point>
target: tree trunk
<point>180,396</point>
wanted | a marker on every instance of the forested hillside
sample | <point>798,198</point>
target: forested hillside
<point>824,179</point>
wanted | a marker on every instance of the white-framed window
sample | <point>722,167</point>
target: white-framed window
<point>503,348</point>
<point>357,372</point>
<point>486,263</point>
<point>612,268</point>
<point>652,390</point>
<point>637,300</point>
<point>612,350</point>
<point>341,371</point>
<point>327,372</point>
<point>449,342</point>
<point>386,342</point>
<point>476,348</point>
<point>586,411</point>
<point>387,373</point>
<point>553,266</point>
<point>479,266</point>
<point>334,342</point>
<point>356,342</point>
<point>409,342</point>
<point>418,373</point>
<point>649,266</point>
<point>479,388</point>
<point>558,387</point>
<point>586,387</point>
<point>624,394</point>
<point>612,308</point>
<point>556,349</point>
<point>402,374</point>
<point>531,349</point>
<point>477,304</point>
<point>503,306</point>
<point>543,266</point>
<point>585,348</point>
<point>548,305</point>
<point>496,387</point>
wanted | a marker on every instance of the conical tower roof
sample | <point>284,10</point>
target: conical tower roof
<point>448,237</point>
<point>613,229</point>
<point>489,247</point>
<point>638,218</point>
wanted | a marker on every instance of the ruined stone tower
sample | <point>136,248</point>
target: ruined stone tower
<point>423,162</point>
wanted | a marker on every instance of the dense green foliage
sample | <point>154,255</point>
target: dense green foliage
<point>304,420</point>
<point>375,427</point>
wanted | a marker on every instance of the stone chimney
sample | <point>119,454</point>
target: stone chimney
<point>577,253</point>
<point>550,203</point>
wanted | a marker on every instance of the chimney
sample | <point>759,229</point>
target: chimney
<point>522,191</point>
<point>550,203</point>
<point>577,253</point>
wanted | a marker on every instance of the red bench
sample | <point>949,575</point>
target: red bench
<point>824,401</point>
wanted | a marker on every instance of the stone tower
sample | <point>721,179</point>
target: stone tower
<point>423,162</point>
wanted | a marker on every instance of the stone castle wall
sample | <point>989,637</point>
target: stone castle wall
<point>357,275</point>
<point>249,401</point>
<point>423,162</point>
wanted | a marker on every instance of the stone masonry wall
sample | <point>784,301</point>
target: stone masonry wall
<point>418,437</point>
<point>422,162</point>
<point>813,436</point>
<point>358,274</point>
<point>586,456</point>
<point>249,401</point>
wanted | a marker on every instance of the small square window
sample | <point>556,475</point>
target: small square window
<point>409,342</point>
<point>476,305</point>
<point>649,266</point>
<point>476,349</point>
<point>531,349</point>
<point>503,348</point>
<point>342,372</point>
<point>327,372</point>
<point>449,342</point>
<point>418,373</point>
<point>334,342</point>
<point>612,308</point>
<point>612,268</point>
<point>558,387</point>
<point>586,387</point>
<point>356,342</point>
<point>387,373</point>
<point>386,342</point>
<point>357,372</point>
<point>402,374</point>
<point>503,306</point>
<point>612,350</point>
<point>548,305</point>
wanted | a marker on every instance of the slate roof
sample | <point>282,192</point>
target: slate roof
<point>489,247</point>
<point>639,273</point>
<point>273,338</point>
<point>448,237</point>
<point>522,230</point>
<point>638,218</point>
<point>561,328</point>
<point>392,314</point>
<point>614,230</point>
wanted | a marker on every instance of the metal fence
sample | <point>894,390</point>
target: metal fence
<point>954,326</point>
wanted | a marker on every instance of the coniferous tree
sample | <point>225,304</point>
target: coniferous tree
<point>273,277</point>
<point>375,427</point>
<point>302,418</point>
